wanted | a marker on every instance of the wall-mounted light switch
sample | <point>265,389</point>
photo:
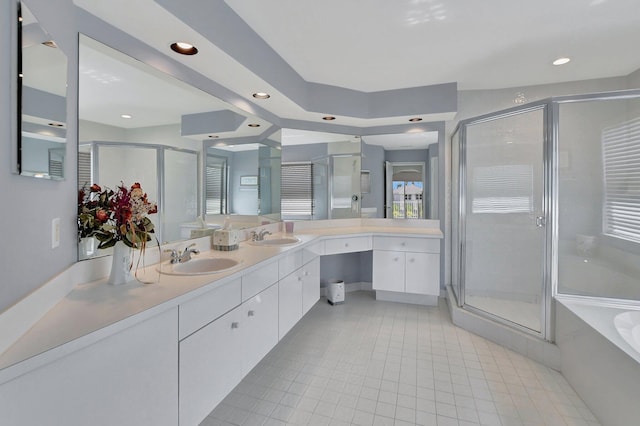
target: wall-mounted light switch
<point>55,232</point>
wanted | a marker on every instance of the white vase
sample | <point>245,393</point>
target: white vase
<point>121,265</point>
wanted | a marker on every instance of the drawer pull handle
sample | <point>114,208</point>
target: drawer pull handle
<point>395,259</point>
<point>299,278</point>
<point>403,244</point>
<point>235,325</point>
<point>412,260</point>
<point>251,313</point>
<point>346,244</point>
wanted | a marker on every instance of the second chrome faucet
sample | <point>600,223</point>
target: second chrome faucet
<point>185,256</point>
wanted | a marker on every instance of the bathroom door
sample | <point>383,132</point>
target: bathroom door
<point>503,212</point>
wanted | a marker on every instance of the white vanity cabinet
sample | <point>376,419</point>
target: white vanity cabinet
<point>298,291</point>
<point>127,378</point>
<point>310,284</point>
<point>290,302</point>
<point>259,327</point>
<point>218,355</point>
<point>405,266</point>
<point>210,366</point>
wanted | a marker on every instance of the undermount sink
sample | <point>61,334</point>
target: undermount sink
<point>282,241</point>
<point>201,266</point>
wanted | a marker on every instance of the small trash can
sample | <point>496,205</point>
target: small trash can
<point>335,292</point>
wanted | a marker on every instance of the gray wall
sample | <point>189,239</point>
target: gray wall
<point>243,200</point>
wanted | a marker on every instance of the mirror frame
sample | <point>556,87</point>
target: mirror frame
<point>16,85</point>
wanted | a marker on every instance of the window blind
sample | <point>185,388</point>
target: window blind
<point>503,189</point>
<point>216,186</point>
<point>621,161</point>
<point>84,169</point>
<point>296,191</point>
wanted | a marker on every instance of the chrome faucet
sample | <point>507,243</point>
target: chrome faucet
<point>259,236</point>
<point>176,257</point>
<point>188,251</point>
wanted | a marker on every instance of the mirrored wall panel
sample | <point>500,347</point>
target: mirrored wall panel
<point>139,125</point>
<point>42,83</point>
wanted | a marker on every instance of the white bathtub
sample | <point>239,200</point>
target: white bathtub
<point>628,326</point>
<point>600,364</point>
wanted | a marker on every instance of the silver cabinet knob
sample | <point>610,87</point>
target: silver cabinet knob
<point>250,313</point>
<point>235,325</point>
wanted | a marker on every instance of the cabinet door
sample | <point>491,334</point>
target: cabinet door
<point>128,378</point>
<point>310,284</point>
<point>210,367</point>
<point>388,270</point>
<point>290,302</point>
<point>423,273</point>
<point>259,327</point>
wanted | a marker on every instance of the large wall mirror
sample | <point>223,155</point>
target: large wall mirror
<point>337,176</point>
<point>137,124</point>
<point>42,97</point>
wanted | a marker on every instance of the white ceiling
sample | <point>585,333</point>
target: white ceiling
<point>384,45</point>
<point>387,45</point>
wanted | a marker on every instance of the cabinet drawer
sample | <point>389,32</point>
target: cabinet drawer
<point>347,245</point>
<point>201,310</point>
<point>256,281</point>
<point>290,263</point>
<point>419,245</point>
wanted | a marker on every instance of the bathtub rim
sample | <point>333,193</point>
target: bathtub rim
<point>598,313</point>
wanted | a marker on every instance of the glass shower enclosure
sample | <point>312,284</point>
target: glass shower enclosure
<point>502,214</point>
<point>546,200</point>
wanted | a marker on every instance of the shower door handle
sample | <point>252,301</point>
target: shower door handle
<point>540,221</point>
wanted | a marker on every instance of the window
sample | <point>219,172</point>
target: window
<point>216,185</point>
<point>84,169</point>
<point>621,160</point>
<point>502,189</point>
<point>296,191</point>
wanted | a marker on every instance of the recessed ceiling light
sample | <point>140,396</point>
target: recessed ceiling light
<point>561,61</point>
<point>213,136</point>
<point>184,48</point>
<point>261,95</point>
<point>50,43</point>
<point>56,125</point>
<point>329,118</point>
<point>127,116</point>
<point>413,120</point>
<point>254,125</point>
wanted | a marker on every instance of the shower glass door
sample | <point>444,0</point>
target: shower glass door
<point>503,221</point>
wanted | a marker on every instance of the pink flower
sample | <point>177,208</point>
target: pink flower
<point>102,215</point>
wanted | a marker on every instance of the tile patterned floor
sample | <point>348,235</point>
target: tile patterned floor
<point>380,363</point>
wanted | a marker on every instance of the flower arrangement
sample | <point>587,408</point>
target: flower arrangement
<point>111,216</point>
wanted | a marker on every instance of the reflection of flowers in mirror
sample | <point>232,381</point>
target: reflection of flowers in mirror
<point>111,216</point>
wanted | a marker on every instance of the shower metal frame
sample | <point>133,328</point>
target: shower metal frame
<point>551,110</point>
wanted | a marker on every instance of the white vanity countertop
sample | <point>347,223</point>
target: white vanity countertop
<point>95,310</point>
